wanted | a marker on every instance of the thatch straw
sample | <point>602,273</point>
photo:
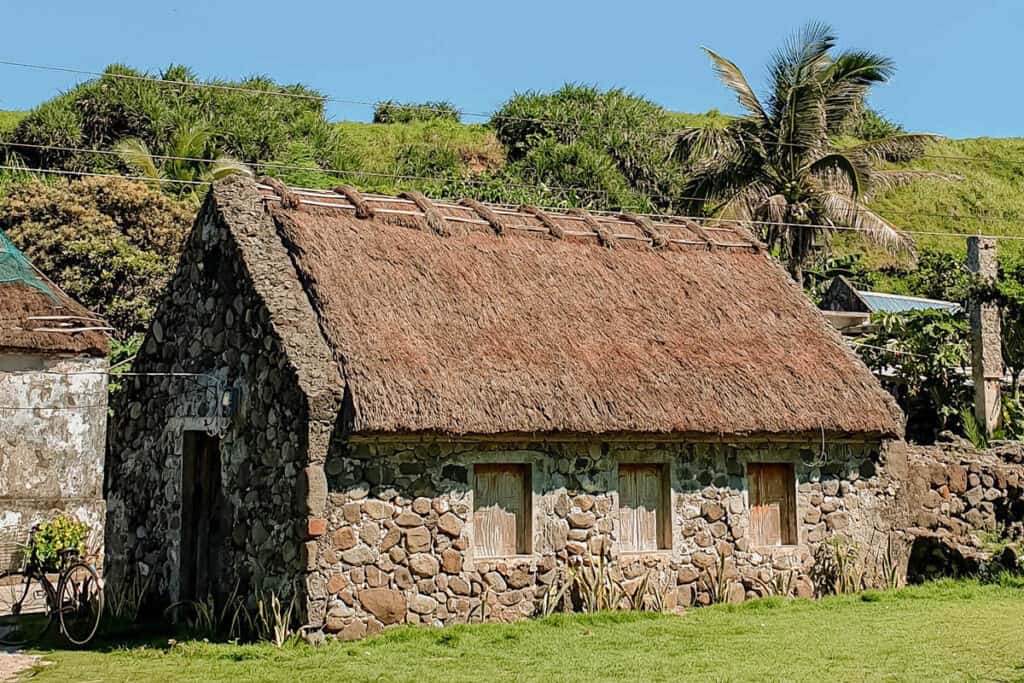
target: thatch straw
<point>604,235</point>
<point>289,199</point>
<point>657,237</point>
<point>527,335</point>
<point>434,218</point>
<point>23,313</point>
<point>496,222</point>
<point>553,228</point>
<point>363,209</point>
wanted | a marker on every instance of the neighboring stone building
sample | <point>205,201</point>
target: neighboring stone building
<point>53,406</point>
<point>420,411</point>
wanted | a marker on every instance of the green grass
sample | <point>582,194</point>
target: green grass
<point>376,146</point>
<point>988,199</point>
<point>9,119</point>
<point>942,631</point>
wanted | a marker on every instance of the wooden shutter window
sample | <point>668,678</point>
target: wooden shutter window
<point>501,510</point>
<point>772,503</point>
<point>643,508</point>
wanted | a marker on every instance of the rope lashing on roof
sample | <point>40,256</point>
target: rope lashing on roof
<point>496,222</point>
<point>604,236</point>
<point>696,230</point>
<point>553,228</point>
<point>289,199</point>
<point>435,220</point>
<point>646,225</point>
<point>355,197</point>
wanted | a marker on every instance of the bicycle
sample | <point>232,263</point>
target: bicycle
<point>29,603</point>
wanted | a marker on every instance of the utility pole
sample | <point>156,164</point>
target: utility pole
<point>986,339</point>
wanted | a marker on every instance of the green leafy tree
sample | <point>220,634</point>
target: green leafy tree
<point>922,357</point>
<point>780,165</point>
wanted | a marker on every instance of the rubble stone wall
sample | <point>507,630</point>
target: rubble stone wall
<point>53,419</point>
<point>396,545</point>
<point>968,504</point>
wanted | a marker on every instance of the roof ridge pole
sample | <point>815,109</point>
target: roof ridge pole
<point>355,197</point>
<point>289,199</point>
<point>434,218</point>
<point>604,235</point>
<point>554,228</point>
<point>658,238</point>
<point>697,230</point>
<point>485,212</point>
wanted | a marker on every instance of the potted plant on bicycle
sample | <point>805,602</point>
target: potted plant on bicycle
<point>29,603</point>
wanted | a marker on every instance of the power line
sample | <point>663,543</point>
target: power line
<point>319,169</point>
<point>472,181</point>
<point>415,107</point>
<point>814,226</point>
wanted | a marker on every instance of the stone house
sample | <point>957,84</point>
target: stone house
<point>53,406</point>
<point>424,410</point>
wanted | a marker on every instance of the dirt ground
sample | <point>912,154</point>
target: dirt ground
<point>12,663</point>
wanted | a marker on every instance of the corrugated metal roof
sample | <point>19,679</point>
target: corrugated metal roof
<point>895,303</point>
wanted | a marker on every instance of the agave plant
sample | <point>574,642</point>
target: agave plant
<point>187,158</point>
<point>780,168</point>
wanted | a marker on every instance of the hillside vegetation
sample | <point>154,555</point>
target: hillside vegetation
<point>578,146</point>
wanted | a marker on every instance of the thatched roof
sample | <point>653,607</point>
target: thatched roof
<point>483,319</point>
<point>35,315</point>
<point>37,320</point>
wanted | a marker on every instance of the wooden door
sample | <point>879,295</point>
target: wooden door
<point>501,510</point>
<point>642,513</point>
<point>772,503</point>
<point>202,509</point>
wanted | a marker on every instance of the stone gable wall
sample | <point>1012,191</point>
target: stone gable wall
<point>397,542</point>
<point>211,321</point>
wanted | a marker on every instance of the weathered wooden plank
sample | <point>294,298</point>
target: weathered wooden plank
<point>501,523</point>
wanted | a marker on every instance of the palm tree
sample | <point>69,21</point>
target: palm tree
<point>186,158</point>
<point>779,167</point>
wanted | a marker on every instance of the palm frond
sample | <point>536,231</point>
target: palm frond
<point>135,153</point>
<point>731,75</point>
<point>844,211</point>
<point>835,168</point>
<point>900,147</point>
<point>705,143</point>
<point>222,167</point>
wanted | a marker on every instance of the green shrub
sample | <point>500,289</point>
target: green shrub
<point>63,532</point>
<point>99,113</point>
<point>390,111</point>
<point>110,243</point>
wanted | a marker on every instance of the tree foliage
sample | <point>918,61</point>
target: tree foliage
<point>390,111</point>
<point>111,244</point>
<point>923,358</point>
<point>780,166</point>
<point>611,142</point>
<point>167,117</point>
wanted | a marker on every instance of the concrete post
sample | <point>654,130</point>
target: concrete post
<point>986,342</point>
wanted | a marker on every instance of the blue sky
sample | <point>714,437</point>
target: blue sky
<point>959,62</point>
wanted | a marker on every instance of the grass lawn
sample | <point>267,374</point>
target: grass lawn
<point>942,631</point>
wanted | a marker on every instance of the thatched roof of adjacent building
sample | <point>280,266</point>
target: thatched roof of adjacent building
<point>36,316</point>
<point>464,318</point>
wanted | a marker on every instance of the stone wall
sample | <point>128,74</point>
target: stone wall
<point>968,505</point>
<point>396,545</point>
<point>53,418</point>
<point>213,323</point>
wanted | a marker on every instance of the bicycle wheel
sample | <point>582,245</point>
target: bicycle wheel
<point>26,607</point>
<point>80,602</point>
